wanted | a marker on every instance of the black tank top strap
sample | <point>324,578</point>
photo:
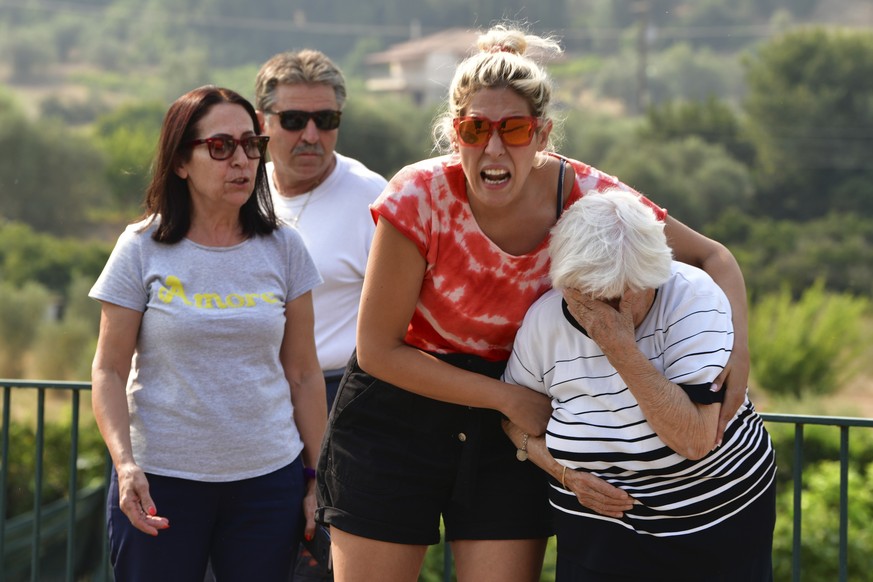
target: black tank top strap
<point>560,197</point>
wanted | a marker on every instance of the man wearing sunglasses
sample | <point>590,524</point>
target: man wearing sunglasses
<point>325,195</point>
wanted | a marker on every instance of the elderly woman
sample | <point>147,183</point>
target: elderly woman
<point>206,385</point>
<point>628,354</point>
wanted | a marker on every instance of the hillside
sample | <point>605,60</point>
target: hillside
<point>84,56</point>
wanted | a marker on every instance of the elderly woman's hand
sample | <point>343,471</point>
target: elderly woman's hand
<point>136,502</point>
<point>596,494</point>
<point>610,326</point>
<point>592,492</point>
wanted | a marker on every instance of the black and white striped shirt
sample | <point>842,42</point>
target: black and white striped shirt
<point>597,425</point>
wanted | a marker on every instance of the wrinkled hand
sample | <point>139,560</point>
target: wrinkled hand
<point>310,503</point>
<point>529,410</point>
<point>135,501</point>
<point>734,379</point>
<point>608,326</point>
<point>598,495</point>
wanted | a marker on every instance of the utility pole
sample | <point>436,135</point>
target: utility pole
<point>643,10</point>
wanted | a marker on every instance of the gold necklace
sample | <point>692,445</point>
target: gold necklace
<point>321,179</point>
<point>296,219</point>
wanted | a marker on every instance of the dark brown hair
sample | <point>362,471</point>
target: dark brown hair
<point>167,198</point>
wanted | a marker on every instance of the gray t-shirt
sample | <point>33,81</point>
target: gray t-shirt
<point>207,394</point>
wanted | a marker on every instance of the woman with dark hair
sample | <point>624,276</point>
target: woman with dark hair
<point>206,385</point>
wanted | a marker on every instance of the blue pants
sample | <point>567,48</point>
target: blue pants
<point>248,529</point>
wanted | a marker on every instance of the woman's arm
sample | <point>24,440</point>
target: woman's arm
<point>116,342</point>
<point>392,284</point>
<point>685,426</point>
<point>304,375</point>
<point>592,492</point>
<point>693,248</point>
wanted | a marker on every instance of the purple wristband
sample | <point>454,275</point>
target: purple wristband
<point>309,473</point>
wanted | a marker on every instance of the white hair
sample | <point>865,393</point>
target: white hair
<point>609,242</point>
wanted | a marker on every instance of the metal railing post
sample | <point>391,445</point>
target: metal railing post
<point>4,458</point>
<point>448,566</point>
<point>73,488</point>
<point>37,485</point>
<point>104,571</point>
<point>844,503</point>
<point>798,507</point>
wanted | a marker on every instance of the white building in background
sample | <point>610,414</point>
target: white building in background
<point>421,68</point>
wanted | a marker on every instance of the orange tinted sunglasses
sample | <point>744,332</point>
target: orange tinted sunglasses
<point>514,131</point>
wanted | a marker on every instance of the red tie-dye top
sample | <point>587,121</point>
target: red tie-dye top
<point>474,295</point>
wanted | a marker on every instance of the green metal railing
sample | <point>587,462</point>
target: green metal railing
<point>30,534</point>
<point>799,422</point>
<point>845,423</point>
<point>30,544</point>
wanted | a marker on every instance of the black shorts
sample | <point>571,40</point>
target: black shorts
<point>393,462</point>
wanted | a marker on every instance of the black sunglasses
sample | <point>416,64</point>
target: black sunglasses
<point>295,120</point>
<point>222,147</point>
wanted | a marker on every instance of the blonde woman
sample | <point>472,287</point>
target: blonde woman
<point>459,255</point>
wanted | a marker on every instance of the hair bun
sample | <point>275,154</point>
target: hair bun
<point>502,39</point>
<point>499,48</point>
<point>505,39</point>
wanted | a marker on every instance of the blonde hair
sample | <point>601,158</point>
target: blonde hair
<point>505,60</point>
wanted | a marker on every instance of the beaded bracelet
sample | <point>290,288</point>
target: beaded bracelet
<point>521,453</point>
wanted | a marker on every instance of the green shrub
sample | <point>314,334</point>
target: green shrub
<point>43,337</point>
<point>820,443</point>
<point>64,350</point>
<point>30,256</point>
<point>809,346</point>
<point>127,138</point>
<point>837,248</point>
<point>432,570</point>
<point>22,312</point>
<point>21,473</point>
<point>820,525</point>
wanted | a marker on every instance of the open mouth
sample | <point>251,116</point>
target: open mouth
<point>495,176</point>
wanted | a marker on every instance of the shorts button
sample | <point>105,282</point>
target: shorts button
<point>462,437</point>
